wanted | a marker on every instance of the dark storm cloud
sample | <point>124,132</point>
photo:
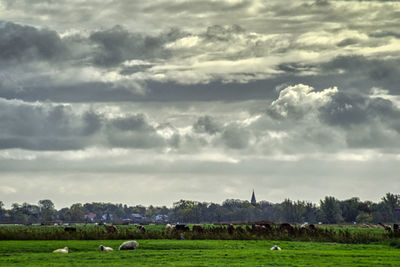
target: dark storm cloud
<point>133,123</point>
<point>346,109</point>
<point>19,44</point>
<point>44,126</point>
<point>157,68</point>
<point>117,45</point>
<point>133,132</point>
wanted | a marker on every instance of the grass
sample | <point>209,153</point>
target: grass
<point>198,253</point>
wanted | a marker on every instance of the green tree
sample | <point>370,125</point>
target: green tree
<point>17,214</point>
<point>47,209</point>
<point>364,217</point>
<point>350,209</point>
<point>331,212</point>
<point>1,209</point>
<point>76,212</point>
<point>389,203</point>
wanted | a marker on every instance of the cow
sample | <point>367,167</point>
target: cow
<point>110,228</point>
<point>141,228</point>
<point>70,229</point>
<point>231,229</point>
<point>181,227</point>
<point>286,227</point>
<point>197,228</point>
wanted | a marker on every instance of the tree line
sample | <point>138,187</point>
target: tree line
<point>329,210</point>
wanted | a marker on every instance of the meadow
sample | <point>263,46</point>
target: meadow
<point>197,253</point>
<point>327,246</point>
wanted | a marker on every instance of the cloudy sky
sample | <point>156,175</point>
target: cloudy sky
<point>149,102</point>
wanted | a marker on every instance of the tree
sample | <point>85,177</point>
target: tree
<point>1,209</point>
<point>47,209</point>
<point>330,208</point>
<point>76,212</point>
<point>292,211</point>
<point>389,203</point>
<point>350,209</point>
<point>364,217</point>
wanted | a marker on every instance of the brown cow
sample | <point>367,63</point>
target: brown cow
<point>231,229</point>
<point>110,228</point>
<point>386,227</point>
<point>197,229</point>
<point>286,227</point>
<point>181,228</point>
<point>70,229</point>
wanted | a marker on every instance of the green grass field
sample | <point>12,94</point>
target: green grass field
<point>197,253</point>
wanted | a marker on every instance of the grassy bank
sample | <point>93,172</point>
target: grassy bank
<point>210,232</point>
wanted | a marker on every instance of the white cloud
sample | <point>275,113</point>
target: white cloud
<point>299,100</point>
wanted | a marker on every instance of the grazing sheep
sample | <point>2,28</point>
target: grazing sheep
<point>275,248</point>
<point>129,245</point>
<point>106,249</point>
<point>168,227</point>
<point>61,250</point>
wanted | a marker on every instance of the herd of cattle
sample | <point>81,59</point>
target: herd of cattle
<point>259,228</point>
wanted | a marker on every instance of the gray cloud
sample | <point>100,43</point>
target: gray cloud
<point>349,109</point>
<point>19,44</point>
<point>221,89</point>
<point>206,124</point>
<point>117,45</point>
<point>44,126</point>
<point>236,137</point>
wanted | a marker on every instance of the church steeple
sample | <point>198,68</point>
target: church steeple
<point>253,199</point>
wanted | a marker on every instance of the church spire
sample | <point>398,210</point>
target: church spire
<point>253,199</point>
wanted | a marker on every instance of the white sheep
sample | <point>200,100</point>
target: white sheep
<point>168,227</point>
<point>129,245</point>
<point>275,248</point>
<point>61,250</point>
<point>106,249</point>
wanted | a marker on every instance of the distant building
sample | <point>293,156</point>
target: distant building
<point>253,199</point>
<point>161,218</point>
<point>107,217</point>
<point>137,218</point>
<point>90,216</point>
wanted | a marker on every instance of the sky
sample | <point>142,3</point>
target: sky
<point>150,102</point>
